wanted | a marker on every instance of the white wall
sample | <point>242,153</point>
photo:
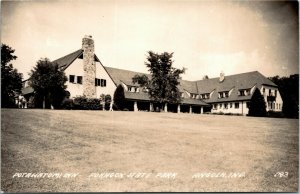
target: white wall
<point>76,68</point>
<point>110,86</point>
<point>278,103</point>
<point>241,110</point>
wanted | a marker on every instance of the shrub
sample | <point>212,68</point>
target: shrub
<point>275,114</point>
<point>67,104</point>
<point>119,98</point>
<point>83,103</point>
<point>257,105</point>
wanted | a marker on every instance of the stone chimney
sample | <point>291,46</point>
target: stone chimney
<point>89,67</point>
<point>222,77</point>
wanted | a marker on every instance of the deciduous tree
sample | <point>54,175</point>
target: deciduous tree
<point>48,83</point>
<point>289,90</point>
<point>11,80</point>
<point>162,85</point>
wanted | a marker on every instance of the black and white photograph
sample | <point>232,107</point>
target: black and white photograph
<point>149,96</point>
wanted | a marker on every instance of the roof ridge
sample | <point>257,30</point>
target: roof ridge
<point>67,55</point>
<point>127,70</point>
<point>229,75</point>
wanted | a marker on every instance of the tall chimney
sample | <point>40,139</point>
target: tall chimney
<point>89,67</point>
<point>222,77</point>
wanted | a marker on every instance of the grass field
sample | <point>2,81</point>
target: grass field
<point>86,142</point>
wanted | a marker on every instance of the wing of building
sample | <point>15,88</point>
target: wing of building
<point>227,94</point>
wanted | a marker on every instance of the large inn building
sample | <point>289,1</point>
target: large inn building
<point>228,94</point>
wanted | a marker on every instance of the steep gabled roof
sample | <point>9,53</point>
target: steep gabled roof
<point>65,61</point>
<point>189,86</point>
<point>121,75</point>
<point>235,82</point>
<point>125,76</point>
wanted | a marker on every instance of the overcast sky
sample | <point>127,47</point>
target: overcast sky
<point>207,37</point>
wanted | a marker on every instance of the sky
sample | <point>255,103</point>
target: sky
<point>206,37</point>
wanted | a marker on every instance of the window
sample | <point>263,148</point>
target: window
<point>103,82</point>
<point>237,105</point>
<point>72,78</point>
<point>220,106</point>
<point>264,90</point>
<point>242,92</point>
<point>225,105</point>
<point>79,79</point>
<point>215,106</point>
<point>97,82</point>
<point>226,94</point>
<point>270,91</point>
<point>230,105</point>
<point>275,93</point>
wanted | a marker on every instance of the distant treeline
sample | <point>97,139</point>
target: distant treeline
<point>289,90</point>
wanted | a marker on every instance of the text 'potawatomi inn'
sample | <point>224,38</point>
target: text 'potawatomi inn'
<point>228,94</point>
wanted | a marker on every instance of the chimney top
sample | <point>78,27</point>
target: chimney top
<point>88,36</point>
<point>222,76</point>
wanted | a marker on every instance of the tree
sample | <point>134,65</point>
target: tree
<point>48,83</point>
<point>107,100</point>
<point>11,80</point>
<point>119,98</point>
<point>163,84</point>
<point>289,90</point>
<point>257,105</point>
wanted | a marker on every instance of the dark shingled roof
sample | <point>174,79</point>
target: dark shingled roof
<point>121,75</point>
<point>125,76</point>
<point>235,82</point>
<point>65,61</point>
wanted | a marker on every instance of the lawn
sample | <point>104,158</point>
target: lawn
<point>120,143</point>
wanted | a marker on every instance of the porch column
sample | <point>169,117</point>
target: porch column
<point>201,110</point>
<point>111,106</point>
<point>151,107</point>
<point>25,104</point>
<point>190,109</point>
<point>178,108</point>
<point>166,107</point>
<point>135,108</point>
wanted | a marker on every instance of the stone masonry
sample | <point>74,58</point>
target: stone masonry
<point>89,67</point>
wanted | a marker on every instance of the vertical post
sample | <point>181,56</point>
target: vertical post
<point>166,107</point>
<point>178,108</point>
<point>201,110</point>
<point>44,103</point>
<point>111,106</point>
<point>25,104</point>
<point>135,108</point>
<point>151,107</point>
<point>190,109</point>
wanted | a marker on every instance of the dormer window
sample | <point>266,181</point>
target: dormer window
<point>224,94</point>
<point>244,92</point>
<point>194,96</point>
<point>133,89</point>
<point>145,89</point>
<point>204,96</point>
